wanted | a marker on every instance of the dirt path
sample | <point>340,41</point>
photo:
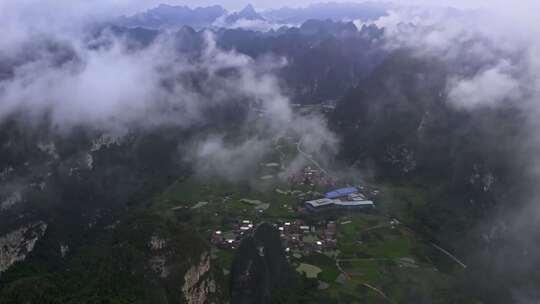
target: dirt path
<point>379,292</point>
<point>384,225</point>
<point>450,255</point>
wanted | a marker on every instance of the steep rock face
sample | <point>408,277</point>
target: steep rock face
<point>180,261</point>
<point>16,245</point>
<point>158,261</point>
<point>259,267</point>
<point>197,284</point>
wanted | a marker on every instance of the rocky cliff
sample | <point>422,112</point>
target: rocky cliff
<point>17,244</point>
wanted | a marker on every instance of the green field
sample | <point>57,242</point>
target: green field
<point>370,249</point>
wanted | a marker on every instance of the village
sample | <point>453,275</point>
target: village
<point>299,237</point>
<point>334,228</point>
<point>338,232</point>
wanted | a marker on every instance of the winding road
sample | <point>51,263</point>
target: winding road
<point>308,157</point>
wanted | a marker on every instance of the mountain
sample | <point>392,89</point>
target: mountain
<point>248,13</point>
<point>71,205</point>
<point>323,57</point>
<point>327,27</point>
<point>396,122</point>
<point>332,10</point>
<point>173,17</point>
<point>323,60</point>
<point>259,267</point>
<point>177,189</point>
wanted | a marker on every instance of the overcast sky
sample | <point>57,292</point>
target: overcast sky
<point>267,4</point>
<point>110,8</point>
<point>521,11</point>
<point>132,6</point>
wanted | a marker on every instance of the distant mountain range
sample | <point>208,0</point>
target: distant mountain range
<point>174,17</point>
<point>332,10</point>
<point>322,56</point>
<point>168,16</point>
<point>248,13</point>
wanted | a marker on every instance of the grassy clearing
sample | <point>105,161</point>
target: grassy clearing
<point>311,271</point>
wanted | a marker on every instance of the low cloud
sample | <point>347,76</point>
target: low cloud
<point>74,79</point>
<point>490,59</point>
<point>216,156</point>
<point>248,24</point>
<point>490,87</point>
<point>488,53</point>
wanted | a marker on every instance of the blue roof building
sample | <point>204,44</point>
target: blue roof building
<point>341,192</point>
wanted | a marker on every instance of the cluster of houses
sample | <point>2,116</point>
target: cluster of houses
<point>311,177</point>
<point>345,198</point>
<point>296,236</point>
<point>231,239</point>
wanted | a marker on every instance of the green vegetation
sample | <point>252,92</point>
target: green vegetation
<point>225,259</point>
<point>371,249</point>
<point>115,268</point>
<point>329,271</point>
<point>402,201</point>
